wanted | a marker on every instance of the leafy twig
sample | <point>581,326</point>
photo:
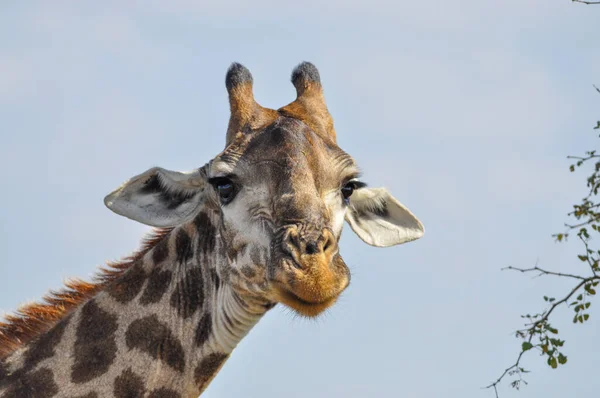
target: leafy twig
<point>541,327</point>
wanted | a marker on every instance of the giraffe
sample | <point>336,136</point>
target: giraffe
<point>256,226</point>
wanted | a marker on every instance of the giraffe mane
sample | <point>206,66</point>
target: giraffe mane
<point>32,320</point>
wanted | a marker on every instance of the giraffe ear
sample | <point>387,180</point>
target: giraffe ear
<point>159,197</point>
<point>380,220</point>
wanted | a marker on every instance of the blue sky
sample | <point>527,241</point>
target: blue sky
<point>464,109</point>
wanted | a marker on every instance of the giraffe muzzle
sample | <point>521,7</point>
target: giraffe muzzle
<point>310,247</point>
<point>317,275</point>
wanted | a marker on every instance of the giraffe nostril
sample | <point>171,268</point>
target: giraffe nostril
<point>314,244</point>
<point>327,245</point>
<point>312,247</point>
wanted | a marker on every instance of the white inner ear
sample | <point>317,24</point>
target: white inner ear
<point>159,197</point>
<point>380,220</point>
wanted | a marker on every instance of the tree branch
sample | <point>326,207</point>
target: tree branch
<point>586,2</point>
<point>510,369</point>
<point>544,272</point>
<point>538,332</point>
<point>559,302</point>
<point>593,265</point>
<point>531,330</point>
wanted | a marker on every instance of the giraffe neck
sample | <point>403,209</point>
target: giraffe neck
<point>162,329</point>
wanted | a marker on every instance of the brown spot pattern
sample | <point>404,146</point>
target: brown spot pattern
<point>183,246</point>
<point>128,385</point>
<point>164,393</point>
<point>88,395</point>
<point>129,285</point>
<point>43,347</point>
<point>208,367</point>
<point>188,296</point>
<point>95,347</point>
<point>39,384</point>
<point>33,320</point>
<point>158,283</point>
<point>206,233</point>
<point>160,251</point>
<point>204,329</point>
<point>154,338</point>
<point>248,272</point>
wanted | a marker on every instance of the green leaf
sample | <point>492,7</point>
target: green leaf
<point>526,346</point>
<point>589,289</point>
<point>582,257</point>
<point>562,359</point>
<point>552,362</point>
<point>552,330</point>
<point>586,317</point>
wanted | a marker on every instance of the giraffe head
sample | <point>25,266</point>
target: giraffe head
<point>278,195</point>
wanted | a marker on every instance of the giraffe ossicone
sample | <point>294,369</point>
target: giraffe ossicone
<point>256,226</point>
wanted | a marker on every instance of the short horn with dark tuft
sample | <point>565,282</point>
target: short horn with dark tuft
<point>303,75</point>
<point>246,113</point>
<point>309,105</point>
<point>237,74</point>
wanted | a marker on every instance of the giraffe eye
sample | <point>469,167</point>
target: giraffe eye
<point>350,187</point>
<point>347,190</point>
<point>225,189</point>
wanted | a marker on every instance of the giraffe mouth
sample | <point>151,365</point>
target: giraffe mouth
<point>302,306</point>
<point>311,285</point>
